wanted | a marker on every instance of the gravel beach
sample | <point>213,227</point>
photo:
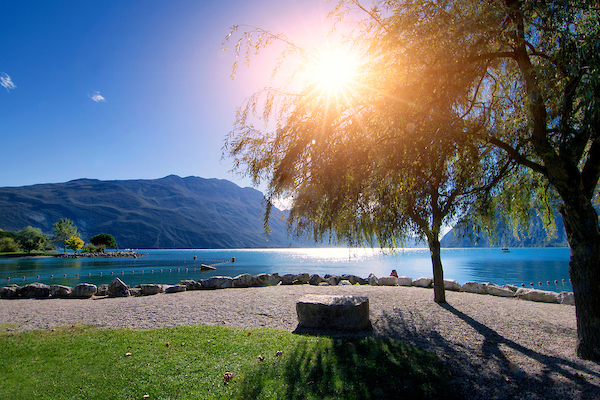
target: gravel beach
<point>496,348</point>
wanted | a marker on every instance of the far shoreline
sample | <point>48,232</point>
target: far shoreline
<point>110,254</point>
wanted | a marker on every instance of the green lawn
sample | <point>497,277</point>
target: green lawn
<point>83,362</point>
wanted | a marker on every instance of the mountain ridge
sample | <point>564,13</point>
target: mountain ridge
<point>169,212</point>
<point>190,212</point>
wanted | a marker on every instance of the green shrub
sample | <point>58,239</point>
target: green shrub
<point>89,248</point>
<point>8,245</point>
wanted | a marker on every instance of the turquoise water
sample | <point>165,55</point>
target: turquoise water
<point>519,266</point>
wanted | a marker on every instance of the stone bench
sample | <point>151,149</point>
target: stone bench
<point>347,313</point>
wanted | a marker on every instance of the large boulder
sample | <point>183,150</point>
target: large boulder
<point>566,298</point>
<point>217,282</point>
<point>60,291</point>
<point>348,313</point>
<point>333,280</point>
<point>102,289</point>
<point>345,282</point>
<point>537,295</point>
<point>513,288</point>
<point>84,290</point>
<point>148,289</point>
<point>191,284</point>
<point>9,292</point>
<point>373,281</point>
<point>404,281</point>
<point>243,281</point>
<point>34,290</point>
<point>388,281</point>
<point>302,279</point>
<point>353,279</point>
<point>423,282</point>
<point>474,287</point>
<point>288,279</point>
<point>500,291</point>
<point>174,288</point>
<point>117,288</point>
<point>269,279</point>
<point>451,284</point>
<point>315,279</point>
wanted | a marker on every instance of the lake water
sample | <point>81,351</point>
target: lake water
<point>520,265</point>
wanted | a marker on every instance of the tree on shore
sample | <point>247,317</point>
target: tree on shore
<point>103,241</point>
<point>363,167</point>
<point>74,243</point>
<point>538,98</point>
<point>64,230</point>
<point>534,90</point>
<point>8,245</point>
<point>30,239</point>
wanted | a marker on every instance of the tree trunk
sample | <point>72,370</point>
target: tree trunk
<point>583,232</point>
<point>439,293</point>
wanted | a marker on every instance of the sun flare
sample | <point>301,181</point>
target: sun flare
<point>334,70</point>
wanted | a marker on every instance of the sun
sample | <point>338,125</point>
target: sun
<point>334,70</point>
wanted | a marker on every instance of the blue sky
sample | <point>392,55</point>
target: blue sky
<point>108,89</point>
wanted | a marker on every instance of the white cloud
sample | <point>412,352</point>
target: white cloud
<point>97,97</point>
<point>6,82</point>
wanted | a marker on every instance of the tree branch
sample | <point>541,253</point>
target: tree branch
<point>571,147</point>
<point>516,156</point>
<point>491,56</point>
<point>591,171</point>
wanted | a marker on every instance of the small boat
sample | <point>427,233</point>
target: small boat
<point>205,267</point>
<point>505,250</point>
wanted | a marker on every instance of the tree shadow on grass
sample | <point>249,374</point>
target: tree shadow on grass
<point>351,367</point>
<point>486,372</point>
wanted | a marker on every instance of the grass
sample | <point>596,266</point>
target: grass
<point>191,362</point>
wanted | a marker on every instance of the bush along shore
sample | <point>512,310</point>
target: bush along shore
<point>118,288</point>
<point>111,254</point>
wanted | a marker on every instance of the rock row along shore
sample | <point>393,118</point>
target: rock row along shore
<point>117,288</point>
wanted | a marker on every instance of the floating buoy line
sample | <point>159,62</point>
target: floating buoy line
<point>201,267</point>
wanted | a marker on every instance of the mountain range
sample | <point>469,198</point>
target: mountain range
<point>536,235</point>
<point>171,212</point>
<point>192,212</point>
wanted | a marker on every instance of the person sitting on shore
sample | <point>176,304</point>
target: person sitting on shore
<point>394,273</point>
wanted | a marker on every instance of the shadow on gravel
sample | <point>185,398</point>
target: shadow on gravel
<point>486,372</point>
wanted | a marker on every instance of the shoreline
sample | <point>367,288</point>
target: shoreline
<point>118,288</point>
<point>110,254</point>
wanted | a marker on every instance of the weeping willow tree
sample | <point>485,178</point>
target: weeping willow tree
<point>519,76</point>
<point>538,99</point>
<point>373,155</point>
